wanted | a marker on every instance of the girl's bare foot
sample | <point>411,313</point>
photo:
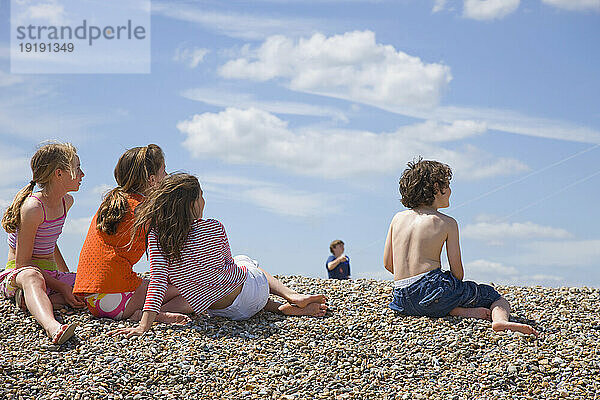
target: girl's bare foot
<point>312,309</point>
<point>173,318</point>
<point>477,312</point>
<point>53,329</point>
<point>514,326</point>
<point>303,300</point>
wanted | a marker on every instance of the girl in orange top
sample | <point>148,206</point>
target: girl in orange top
<point>105,275</point>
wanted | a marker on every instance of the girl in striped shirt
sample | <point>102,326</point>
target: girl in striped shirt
<point>193,254</point>
<point>36,274</point>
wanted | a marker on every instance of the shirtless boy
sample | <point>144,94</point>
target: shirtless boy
<point>412,253</point>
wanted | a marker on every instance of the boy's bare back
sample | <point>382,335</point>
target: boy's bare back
<point>415,240</point>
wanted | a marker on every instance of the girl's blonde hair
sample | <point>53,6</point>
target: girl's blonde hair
<point>132,173</point>
<point>168,211</point>
<point>45,161</point>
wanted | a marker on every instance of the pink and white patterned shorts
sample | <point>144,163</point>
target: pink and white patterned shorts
<point>108,305</point>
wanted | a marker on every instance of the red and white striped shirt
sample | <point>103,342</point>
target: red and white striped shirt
<point>205,273</point>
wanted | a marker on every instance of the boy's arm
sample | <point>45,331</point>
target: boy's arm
<point>453,250</point>
<point>332,264</point>
<point>388,252</point>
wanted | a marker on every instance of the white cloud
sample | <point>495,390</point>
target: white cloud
<point>439,5</point>
<point>366,72</point>
<point>545,277</point>
<point>575,5</point>
<point>24,113</point>
<point>223,98</point>
<point>489,9</point>
<point>16,173</point>
<point>9,79</point>
<point>504,120</point>
<point>510,121</point>
<point>49,12</point>
<point>494,232</point>
<point>294,203</point>
<point>232,180</point>
<point>15,168</point>
<point>495,268</point>
<point>380,274</point>
<point>192,57</point>
<point>483,271</point>
<point>569,253</point>
<point>351,66</point>
<point>101,189</point>
<point>77,226</point>
<point>272,197</point>
<point>251,27</point>
<point>254,136</point>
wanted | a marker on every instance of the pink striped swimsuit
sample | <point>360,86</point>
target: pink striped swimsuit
<point>47,233</point>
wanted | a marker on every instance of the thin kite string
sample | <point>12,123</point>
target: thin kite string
<point>506,217</point>
<point>481,196</point>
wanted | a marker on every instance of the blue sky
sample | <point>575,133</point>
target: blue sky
<point>299,117</point>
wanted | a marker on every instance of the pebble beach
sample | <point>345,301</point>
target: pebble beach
<point>359,350</point>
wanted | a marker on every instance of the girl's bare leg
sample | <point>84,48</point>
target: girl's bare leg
<point>478,313</point>
<point>177,304</point>
<point>500,314</point>
<point>34,290</point>
<point>166,317</point>
<point>312,309</point>
<point>293,297</point>
<point>173,301</point>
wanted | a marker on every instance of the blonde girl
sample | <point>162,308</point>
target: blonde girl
<point>36,274</point>
<point>105,276</point>
<point>193,253</point>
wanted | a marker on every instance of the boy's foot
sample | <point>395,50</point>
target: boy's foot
<point>303,300</point>
<point>312,309</point>
<point>173,318</point>
<point>514,326</point>
<point>477,312</point>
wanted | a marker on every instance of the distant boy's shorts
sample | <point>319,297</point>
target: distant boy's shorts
<point>254,294</point>
<point>7,277</point>
<point>437,293</point>
<point>108,305</point>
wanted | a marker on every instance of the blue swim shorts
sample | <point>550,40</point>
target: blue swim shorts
<point>439,292</point>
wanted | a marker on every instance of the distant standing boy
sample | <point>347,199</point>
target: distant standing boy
<point>338,264</point>
<point>412,253</point>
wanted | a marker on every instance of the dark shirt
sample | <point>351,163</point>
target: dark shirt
<point>341,271</point>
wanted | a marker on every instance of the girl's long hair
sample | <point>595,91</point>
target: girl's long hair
<point>168,210</point>
<point>132,173</point>
<point>47,159</point>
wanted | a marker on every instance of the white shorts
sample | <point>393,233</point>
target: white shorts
<point>254,294</point>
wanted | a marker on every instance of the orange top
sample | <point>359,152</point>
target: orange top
<point>106,261</point>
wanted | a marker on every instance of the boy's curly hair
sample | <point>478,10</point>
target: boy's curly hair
<point>421,180</point>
